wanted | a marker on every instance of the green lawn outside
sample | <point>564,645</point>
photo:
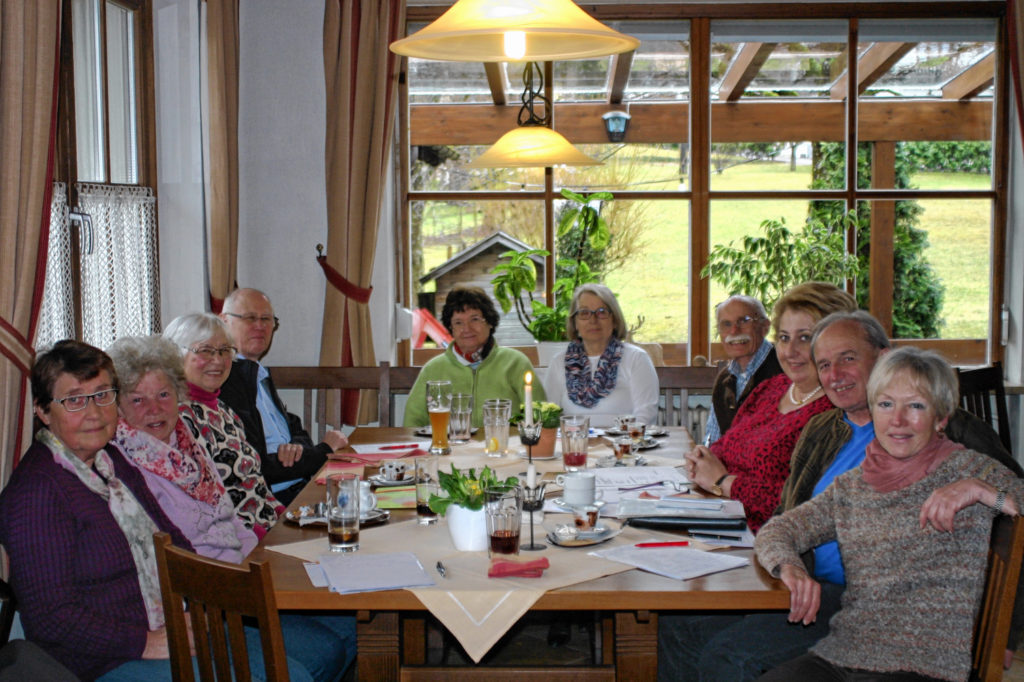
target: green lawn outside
<point>654,282</point>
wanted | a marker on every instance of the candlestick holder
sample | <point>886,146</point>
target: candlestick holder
<point>533,497</point>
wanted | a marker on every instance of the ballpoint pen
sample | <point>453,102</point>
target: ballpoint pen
<point>682,543</point>
<point>441,570</point>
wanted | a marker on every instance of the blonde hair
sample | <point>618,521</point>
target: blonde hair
<point>927,371</point>
<point>817,299</point>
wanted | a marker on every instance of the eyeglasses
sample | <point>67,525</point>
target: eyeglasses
<point>252,318</point>
<point>726,326</point>
<point>471,322</point>
<point>209,352</point>
<point>77,403</point>
<point>587,313</point>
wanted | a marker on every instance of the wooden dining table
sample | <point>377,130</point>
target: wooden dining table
<point>392,625</point>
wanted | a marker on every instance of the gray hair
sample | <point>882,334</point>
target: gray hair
<point>749,301</point>
<point>188,330</point>
<point>619,329</point>
<point>874,333</point>
<point>136,356</point>
<point>927,371</point>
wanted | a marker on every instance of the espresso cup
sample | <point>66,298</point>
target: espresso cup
<point>585,517</point>
<point>393,471</point>
<point>578,488</point>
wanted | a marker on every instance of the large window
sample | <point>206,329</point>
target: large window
<point>738,119</point>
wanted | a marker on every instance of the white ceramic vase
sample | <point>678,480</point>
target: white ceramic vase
<point>468,528</point>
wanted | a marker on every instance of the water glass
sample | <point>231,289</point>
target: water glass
<point>460,427</point>
<point>575,440</point>
<point>503,507</point>
<point>496,412</point>
<point>439,407</point>
<point>343,512</point>
<point>427,484</point>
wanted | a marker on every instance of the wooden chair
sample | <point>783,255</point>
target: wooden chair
<point>982,394</point>
<point>217,595</point>
<point>676,384</point>
<point>992,627</point>
<point>7,609</point>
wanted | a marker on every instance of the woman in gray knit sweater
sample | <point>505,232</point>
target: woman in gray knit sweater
<point>913,524</point>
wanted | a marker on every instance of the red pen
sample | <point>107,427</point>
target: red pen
<point>403,446</point>
<point>682,543</point>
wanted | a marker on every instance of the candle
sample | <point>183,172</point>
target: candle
<point>528,398</point>
<point>531,476</point>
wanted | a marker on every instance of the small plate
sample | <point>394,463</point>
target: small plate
<point>649,443</point>
<point>379,481</point>
<point>521,454</point>
<point>426,431</point>
<point>559,502</point>
<point>655,431</point>
<point>373,518</point>
<point>585,539</point>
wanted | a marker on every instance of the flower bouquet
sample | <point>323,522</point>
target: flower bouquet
<point>465,489</point>
<point>545,414</point>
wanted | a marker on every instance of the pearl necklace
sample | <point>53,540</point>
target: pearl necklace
<point>803,400</point>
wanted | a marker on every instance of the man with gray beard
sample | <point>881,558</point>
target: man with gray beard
<point>742,326</point>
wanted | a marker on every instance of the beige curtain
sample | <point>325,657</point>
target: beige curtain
<point>222,224</point>
<point>29,41</point>
<point>362,89</point>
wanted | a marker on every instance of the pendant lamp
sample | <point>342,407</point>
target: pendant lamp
<point>514,31</point>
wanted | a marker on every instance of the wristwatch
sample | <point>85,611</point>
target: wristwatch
<point>716,489</point>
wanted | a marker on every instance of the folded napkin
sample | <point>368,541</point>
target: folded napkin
<point>511,568</point>
<point>335,467</point>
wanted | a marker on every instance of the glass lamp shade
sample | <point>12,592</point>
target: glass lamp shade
<point>475,31</point>
<point>532,147</point>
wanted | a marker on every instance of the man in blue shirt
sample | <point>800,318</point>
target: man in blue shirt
<point>289,456</point>
<point>845,348</point>
<point>742,325</point>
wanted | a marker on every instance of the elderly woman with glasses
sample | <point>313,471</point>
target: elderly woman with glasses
<point>207,351</point>
<point>473,362</point>
<point>600,375</point>
<point>913,523</point>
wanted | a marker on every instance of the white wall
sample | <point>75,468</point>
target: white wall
<point>282,210</point>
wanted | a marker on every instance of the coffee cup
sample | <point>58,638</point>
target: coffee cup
<point>367,500</point>
<point>578,488</point>
<point>585,517</point>
<point>393,471</point>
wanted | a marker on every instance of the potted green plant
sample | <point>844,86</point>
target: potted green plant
<point>463,505</point>
<point>515,280</point>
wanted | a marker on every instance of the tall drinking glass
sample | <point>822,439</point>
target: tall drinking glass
<point>575,440</point>
<point>462,416</point>
<point>439,407</point>
<point>496,413</point>
<point>427,484</point>
<point>503,507</point>
<point>343,512</point>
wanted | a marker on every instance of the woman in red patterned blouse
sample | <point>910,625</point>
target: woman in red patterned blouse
<point>751,461</point>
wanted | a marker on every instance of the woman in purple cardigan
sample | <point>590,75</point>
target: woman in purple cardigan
<point>77,521</point>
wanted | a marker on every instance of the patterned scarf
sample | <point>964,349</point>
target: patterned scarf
<point>131,517</point>
<point>479,355</point>
<point>885,473</point>
<point>586,388</point>
<point>183,462</point>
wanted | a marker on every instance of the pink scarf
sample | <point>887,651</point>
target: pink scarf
<point>201,395</point>
<point>885,473</point>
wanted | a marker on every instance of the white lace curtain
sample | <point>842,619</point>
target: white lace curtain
<point>120,276</point>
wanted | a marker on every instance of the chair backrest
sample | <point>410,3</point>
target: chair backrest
<point>7,608</point>
<point>992,627</point>
<point>217,596</point>
<point>982,394</point>
<point>676,384</point>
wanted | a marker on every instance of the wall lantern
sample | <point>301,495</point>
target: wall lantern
<point>616,123</point>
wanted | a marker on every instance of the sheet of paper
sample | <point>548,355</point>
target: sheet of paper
<point>367,572</point>
<point>629,477</point>
<point>394,449</point>
<point>728,509</point>
<point>681,563</point>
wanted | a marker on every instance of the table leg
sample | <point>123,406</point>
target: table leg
<point>377,642</point>
<point>636,645</point>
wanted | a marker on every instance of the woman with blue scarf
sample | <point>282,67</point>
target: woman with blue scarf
<point>599,375</point>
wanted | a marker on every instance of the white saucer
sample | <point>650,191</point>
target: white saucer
<point>559,502</point>
<point>521,454</point>
<point>381,482</point>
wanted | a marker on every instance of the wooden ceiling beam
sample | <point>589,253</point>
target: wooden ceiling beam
<point>871,66</point>
<point>497,82</point>
<point>743,121</point>
<point>972,81</point>
<point>618,71</point>
<point>743,70</point>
